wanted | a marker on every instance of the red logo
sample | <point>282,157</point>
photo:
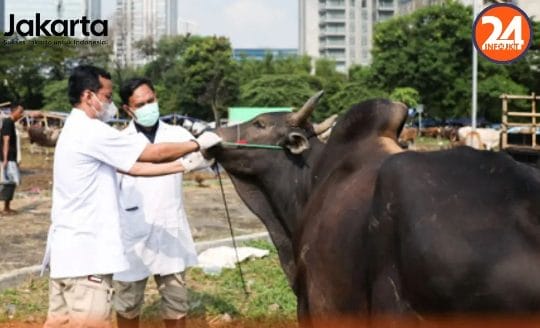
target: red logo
<point>502,33</point>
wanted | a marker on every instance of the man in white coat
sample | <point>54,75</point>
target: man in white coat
<point>155,230</point>
<point>84,246</point>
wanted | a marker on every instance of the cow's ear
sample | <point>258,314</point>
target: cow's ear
<point>297,143</point>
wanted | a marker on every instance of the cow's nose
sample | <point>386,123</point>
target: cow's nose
<point>207,153</point>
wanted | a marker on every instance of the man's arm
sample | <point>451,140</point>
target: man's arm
<point>151,170</point>
<point>188,163</point>
<point>5,149</point>
<point>165,152</point>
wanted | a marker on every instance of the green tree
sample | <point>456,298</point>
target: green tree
<point>293,65</point>
<point>364,75</point>
<point>408,96</point>
<point>532,58</point>
<point>203,80</point>
<point>27,69</point>
<point>489,91</point>
<point>276,91</point>
<point>55,96</point>
<point>250,69</point>
<point>352,93</point>
<point>332,82</point>
<point>168,51</point>
<point>429,50</point>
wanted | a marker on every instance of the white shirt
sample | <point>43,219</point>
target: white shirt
<point>154,226</point>
<point>84,237</point>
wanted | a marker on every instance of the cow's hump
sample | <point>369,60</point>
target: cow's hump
<point>372,118</point>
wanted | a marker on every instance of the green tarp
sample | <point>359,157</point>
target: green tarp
<point>242,114</point>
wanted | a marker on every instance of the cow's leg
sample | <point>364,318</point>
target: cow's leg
<point>386,296</point>
<point>386,288</point>
<point>389,309</point>
<point>302,299</point>
<point>302,311</point>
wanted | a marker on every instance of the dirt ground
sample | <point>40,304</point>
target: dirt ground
<point>23,236</point>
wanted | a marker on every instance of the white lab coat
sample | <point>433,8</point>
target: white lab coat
<point>154,227</point>
<point>84,237</point>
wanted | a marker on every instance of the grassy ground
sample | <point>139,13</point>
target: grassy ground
<point>214,300</point>
<point>430,144</point>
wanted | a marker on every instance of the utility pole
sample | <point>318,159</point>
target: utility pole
<point>474,73</point>
<point>420,110</point>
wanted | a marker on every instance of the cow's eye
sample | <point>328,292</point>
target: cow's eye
<point>258,124</point>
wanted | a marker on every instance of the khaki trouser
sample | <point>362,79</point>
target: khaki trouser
<point>80,302</point>
<point>129,296</point>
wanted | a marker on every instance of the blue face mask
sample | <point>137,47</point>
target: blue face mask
<point>147,115</point>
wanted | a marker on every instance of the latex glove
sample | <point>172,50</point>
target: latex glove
<point>199,128</point>
<point>208,140</point>
<point>195,161</point>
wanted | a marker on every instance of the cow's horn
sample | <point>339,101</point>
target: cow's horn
<point>324,125</point>
<point>296,119</point>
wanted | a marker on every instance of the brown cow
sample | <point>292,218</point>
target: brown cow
<point>295,193</point>
<point>408,136</point>
<point>433,132</point>
<point>364,228</point>
<point>42,136</point>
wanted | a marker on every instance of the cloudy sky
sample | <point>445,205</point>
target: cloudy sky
<point>248,23</point>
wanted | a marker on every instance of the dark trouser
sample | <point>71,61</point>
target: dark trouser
<point>7,191</point>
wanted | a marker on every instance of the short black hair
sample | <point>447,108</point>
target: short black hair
<point>131,85</point>
<point>15,104</point>
<point>85,77</point>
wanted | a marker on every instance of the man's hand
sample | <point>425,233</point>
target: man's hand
<point>208,140</point>
<point>194,161</point>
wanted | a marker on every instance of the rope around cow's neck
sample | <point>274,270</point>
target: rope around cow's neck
<point>244,144</point>
<point>244,286</point>
<point>249,145</point>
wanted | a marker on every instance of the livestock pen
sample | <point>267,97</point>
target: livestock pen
<point>520,136</point>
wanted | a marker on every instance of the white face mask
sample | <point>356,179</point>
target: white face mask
<point>108,110</point>
<point>147,115</point>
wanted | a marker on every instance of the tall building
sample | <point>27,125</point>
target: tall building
<point>2,7</point>
<point>55,9</point>
<point>138,20</point>
<point>172,16</point>
<point>187,27</point>
<point>408,6</point>
<point>308,27</point>
<point>530,7</point>
<point>27,9</point>
<point>341,29</point>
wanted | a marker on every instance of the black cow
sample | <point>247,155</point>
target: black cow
<point>456,231</point>
<point>350,250</point>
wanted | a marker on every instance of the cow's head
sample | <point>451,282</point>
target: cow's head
<point>292,131</point>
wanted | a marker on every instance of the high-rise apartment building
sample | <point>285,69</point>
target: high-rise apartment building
<point>137,20</point>
<point>531,7</point>
<point>2,15</point>
<point>341,29</point>
<point>187,27</point>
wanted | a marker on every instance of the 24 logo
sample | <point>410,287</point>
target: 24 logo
<point>502,33</point>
